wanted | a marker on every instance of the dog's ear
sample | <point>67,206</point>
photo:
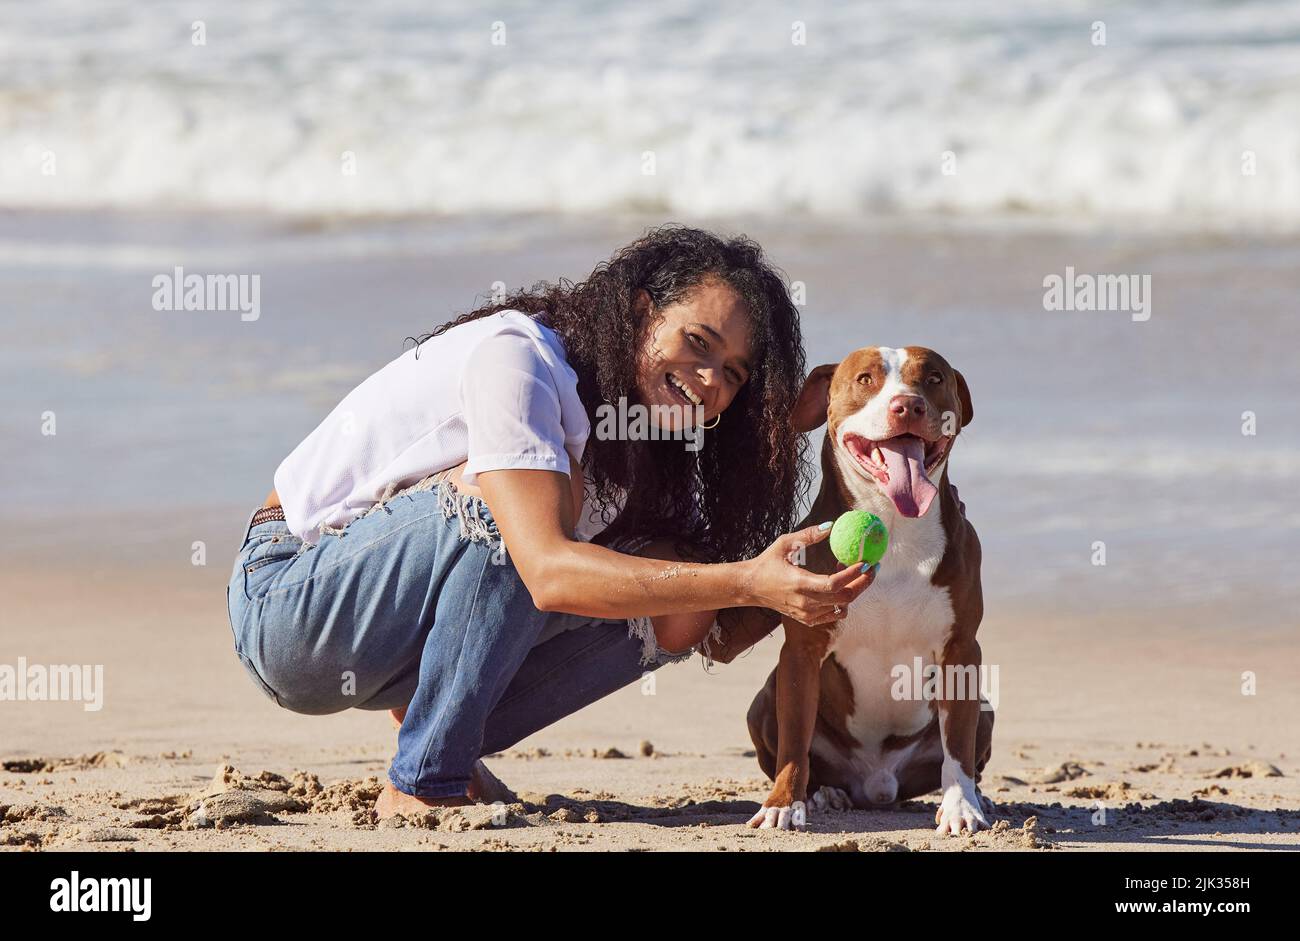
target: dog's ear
<point>963,394</point>
<point>814,399</point>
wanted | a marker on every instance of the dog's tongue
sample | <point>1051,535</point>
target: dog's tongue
<point>908,486</point>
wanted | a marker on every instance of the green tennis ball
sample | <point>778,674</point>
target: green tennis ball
<point>859,536</point>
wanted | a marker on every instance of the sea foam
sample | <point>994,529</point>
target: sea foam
<point>679,109</point>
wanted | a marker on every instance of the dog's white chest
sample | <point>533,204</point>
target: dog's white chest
<point>903,616</point>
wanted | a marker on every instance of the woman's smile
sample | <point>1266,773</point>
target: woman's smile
<point>683,389</point>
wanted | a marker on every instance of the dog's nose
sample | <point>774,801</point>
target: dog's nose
<point>907,406</point>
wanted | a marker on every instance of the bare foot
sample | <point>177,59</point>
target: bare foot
<point>399,716</point>
<point>391,802</point>
<point>487,787</point>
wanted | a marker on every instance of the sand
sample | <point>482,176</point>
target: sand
<point>1115,735</point>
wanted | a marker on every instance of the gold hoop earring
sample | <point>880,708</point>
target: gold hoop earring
<point>717,419</point>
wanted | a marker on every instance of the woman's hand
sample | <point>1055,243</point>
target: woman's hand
<point>775,580</point>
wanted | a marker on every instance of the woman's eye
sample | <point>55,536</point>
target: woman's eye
<point>736,377</point>
<point>698,341</point>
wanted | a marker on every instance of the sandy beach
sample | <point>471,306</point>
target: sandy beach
<point>1123,722</point>
<point>1123,735</point>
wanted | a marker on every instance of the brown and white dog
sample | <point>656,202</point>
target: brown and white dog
<point>827,722</point>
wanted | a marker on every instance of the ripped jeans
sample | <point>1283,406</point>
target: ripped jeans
<point>416,604</point>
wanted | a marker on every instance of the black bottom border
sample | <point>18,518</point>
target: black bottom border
<point>303,890</point>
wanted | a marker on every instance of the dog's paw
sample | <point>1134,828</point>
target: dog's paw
<point>830,798</point>
<point>960,811</point>
<point>990,809</point>
<point>791,817</point>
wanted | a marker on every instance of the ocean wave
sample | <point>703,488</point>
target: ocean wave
<point>114,106</point>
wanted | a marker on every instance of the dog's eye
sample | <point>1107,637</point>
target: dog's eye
<point>935,378</point>
<point>864,378</point>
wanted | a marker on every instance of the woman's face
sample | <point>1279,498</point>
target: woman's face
<point>697,352</point>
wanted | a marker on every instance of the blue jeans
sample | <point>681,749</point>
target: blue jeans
<point>417,604</point>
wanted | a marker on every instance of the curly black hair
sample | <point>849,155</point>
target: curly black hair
<point>742,489</point>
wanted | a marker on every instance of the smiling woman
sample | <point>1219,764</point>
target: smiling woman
<point>678,308</point>
<point>452,543</point>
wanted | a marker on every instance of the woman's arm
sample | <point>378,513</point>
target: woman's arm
<point>534,511</point>
<point>740,629</point>
<point>677,632</point>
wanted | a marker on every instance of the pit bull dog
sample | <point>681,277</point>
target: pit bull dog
<point>830,721</point>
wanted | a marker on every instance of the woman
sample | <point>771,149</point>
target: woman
<point>454,544</point>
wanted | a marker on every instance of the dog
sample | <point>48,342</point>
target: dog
<point>830,721</point>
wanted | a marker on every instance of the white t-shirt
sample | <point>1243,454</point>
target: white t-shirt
<point>496,391</point>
